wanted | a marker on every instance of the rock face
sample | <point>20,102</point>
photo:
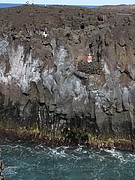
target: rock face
<point>46,84</point>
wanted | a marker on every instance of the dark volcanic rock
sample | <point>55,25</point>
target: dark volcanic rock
<point>48,88</point>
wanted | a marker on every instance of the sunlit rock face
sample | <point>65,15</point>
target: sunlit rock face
<point>41,84</point>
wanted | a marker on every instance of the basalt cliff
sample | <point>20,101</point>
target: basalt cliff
<point>49,93</point>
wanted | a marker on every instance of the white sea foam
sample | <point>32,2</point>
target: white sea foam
<point>24,161</point>
<point>11,170</point>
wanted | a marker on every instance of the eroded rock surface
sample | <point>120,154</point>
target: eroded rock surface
<point>46,84</point>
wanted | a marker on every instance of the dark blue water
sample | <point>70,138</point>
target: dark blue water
<point>31,162</point>
<point>3,5</point>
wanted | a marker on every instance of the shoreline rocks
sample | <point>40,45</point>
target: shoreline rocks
<point>86,140</point>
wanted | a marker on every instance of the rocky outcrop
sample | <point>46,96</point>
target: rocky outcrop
<point>48,88</point>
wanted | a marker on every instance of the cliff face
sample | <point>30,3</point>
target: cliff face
<point>46,83</point>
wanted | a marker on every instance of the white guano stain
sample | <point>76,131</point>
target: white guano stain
<point>106,69</point>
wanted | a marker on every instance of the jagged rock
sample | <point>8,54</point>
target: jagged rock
<point>46,83</point>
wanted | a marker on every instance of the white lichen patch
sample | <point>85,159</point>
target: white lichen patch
<point>21,71</point>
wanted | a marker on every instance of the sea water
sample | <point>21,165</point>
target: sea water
<point>7,5</point>
<point>37,162</point>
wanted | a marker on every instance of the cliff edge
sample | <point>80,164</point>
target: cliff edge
<point>49,91</point>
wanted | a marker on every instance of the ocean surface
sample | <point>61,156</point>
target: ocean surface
<point>36,162</point>
<point>6,5</point>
